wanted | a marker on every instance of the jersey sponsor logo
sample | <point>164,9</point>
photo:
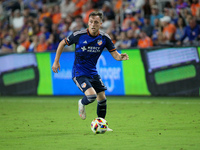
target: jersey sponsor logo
<point>83,48</point>
<point>83,85</point>
<point>92,49</point>
<point>99,42</point>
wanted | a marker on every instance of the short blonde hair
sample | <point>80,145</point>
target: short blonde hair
<point>96,13</point>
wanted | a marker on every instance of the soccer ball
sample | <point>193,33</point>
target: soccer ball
<point>99,125</point>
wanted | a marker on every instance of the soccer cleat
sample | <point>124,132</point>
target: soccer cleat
<point>108,129</point>
<point>81,110</point>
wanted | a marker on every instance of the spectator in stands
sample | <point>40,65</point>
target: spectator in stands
<point>56,15</point>
<point>195,6</point>
<point>30,27</point>
<point>127,25</point>
<point>89,8</point>
<point>174,16</point>
<point>198,13</point>
<point>181,5</point>
<point>65,31</point>
<point>128,40</point>
<point>136,29</point>
<point>1,8</point>
<point>14,36</point>
<point>11,5</point>
<point>153,2</point>
<point>45,13</point>
<point>131,42</point>
<point>52,43</point>
<point>147,27</point>
<point>7,45</point>
<point>155,14</point>
<point>117,6</point>
<point>187,18</point>
<point>67,7</point>
<point>144,41</point>
<point>136,5</point>
<point>114,28</point>
<point>192,32</point>
<point>34,5</point>
<point>128,18</point>
<point>24,43</point>
<point>44,30</point>
<point>108,11</point>
<point>173,4</point>
<point>79,4</point>
<point>169,30</point>
<point>77,24</point>
<point>28,13</point>
<point>109,15</point>
<point>106,24</point>
<point>139,18</point>
<point>113,37</point>
<point>17,20</point>
<point>62,23</point>
<point>155,32</point>
<point>170,10</point>
<point>33,43</point>
<point>180,29</point>
<point>122,36</point>
<point>36,27</point>
<point>42,44</point>
<point>147,8</point>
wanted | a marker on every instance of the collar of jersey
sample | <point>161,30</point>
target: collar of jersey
<point>90,34</point>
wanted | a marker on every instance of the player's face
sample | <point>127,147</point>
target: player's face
<point>94,24</point>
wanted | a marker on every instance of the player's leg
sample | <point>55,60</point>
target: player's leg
<point>100,88</point>
<point>101,97</point>
<point>90,95</point>
<point>101,105</point>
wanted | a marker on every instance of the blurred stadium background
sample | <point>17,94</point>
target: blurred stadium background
<point>161,37</point>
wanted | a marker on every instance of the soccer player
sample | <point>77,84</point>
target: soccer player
<point>89,44</point>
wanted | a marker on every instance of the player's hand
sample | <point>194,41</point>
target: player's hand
<point>124,56</point>
<point>55,67</point>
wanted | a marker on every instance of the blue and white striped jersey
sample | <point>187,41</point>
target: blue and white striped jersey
<point>87,51</point>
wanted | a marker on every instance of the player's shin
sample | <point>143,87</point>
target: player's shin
<point>88,99</point>
<point>101,108</point>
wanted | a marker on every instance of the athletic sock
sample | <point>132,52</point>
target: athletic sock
<point>101,108</point>
<point>88,99</point>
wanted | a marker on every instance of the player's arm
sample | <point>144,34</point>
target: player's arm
<point>66,41</point>
<point>118,56</point>
<point>56,64</point>
<point>111,48</point>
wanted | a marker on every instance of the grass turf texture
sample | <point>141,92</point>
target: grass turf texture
<point>142,123</point>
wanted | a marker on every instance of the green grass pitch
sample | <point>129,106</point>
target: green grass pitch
<point>139,123</point>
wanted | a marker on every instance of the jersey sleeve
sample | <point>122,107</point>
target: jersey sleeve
<point>109,44</point>
<point>71,39</point>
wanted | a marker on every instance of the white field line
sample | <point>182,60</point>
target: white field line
<point>165,102</point>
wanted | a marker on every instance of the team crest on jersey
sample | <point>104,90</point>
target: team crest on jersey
<point>83,85</point>
<point>99,42</point>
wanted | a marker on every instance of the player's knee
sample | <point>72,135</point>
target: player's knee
<point>101,96</point>
<point>91,98</point>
